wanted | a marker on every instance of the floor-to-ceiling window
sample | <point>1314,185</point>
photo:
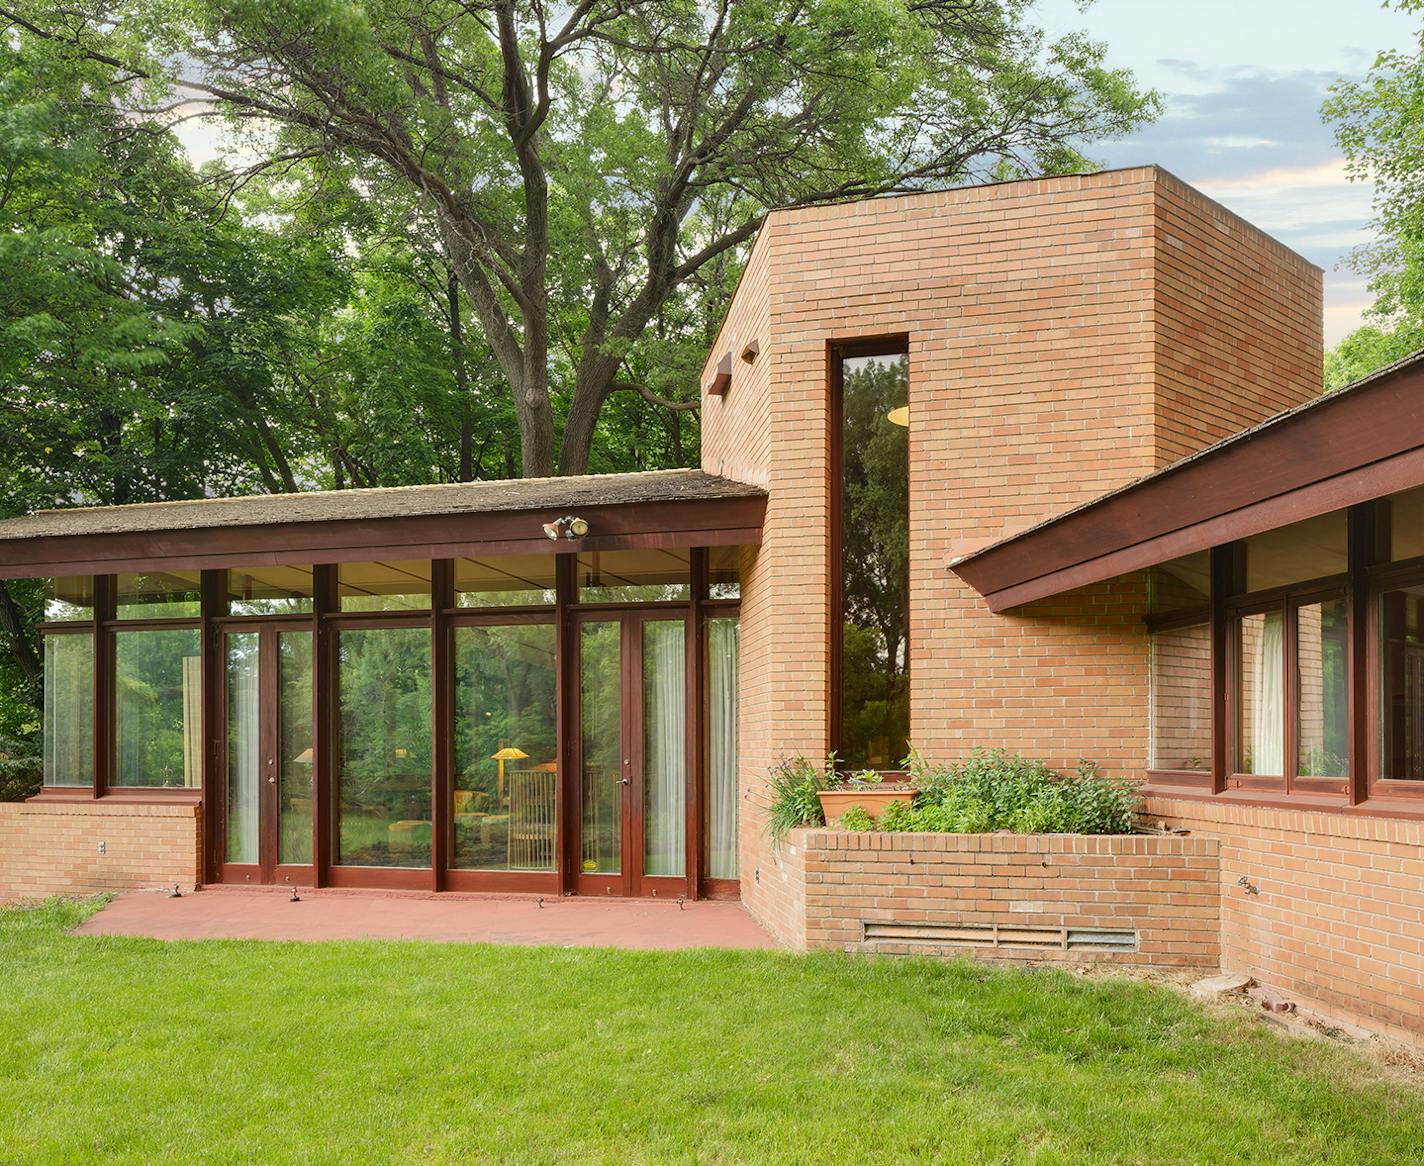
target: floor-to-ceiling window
<point>870,559</point>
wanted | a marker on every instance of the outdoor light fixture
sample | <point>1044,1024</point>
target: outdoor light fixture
<point>900,416</point>
<point>566,527</point>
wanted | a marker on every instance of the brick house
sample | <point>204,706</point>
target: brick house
<point>1040,465</point>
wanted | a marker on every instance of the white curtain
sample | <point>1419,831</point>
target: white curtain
<point>722,653</point>
<point>243,777</point>
<point>665,746</point>
<point>1268,733</point>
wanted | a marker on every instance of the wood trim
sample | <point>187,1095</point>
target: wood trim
<point>442,723</point>
<point>502,881</point>
<point>566,725</point>
<point>324,697</point>
<point>398,878</point>
<point>670,523</point>
<point>104,695</point>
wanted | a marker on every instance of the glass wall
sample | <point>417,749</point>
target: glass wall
<point>394,586</point>
<point>650,576</point>
<point>1322,648</point>
<point>1401,683</point>
<point>721,824</point>
<point>664,747</point>
<point>69,710</point>
<point>68,599</point>
<point>601,733</point>
<point>269,591</point>
<point>507,581</point>
<point>875,547</point>
<point>383,749</point>
<point>158,729</point>
<point>506,756</point>
<point>1181,698</point>
<point>1260,711</point>
<point>244,746</point>
<point>158,595</point>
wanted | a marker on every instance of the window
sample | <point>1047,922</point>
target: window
<point>70,598</point>
<point>69,710</point>
<point>160,595</point>
<point>724,573</point>
<point>870,397</point>
<point>1322,689</point>
<point>1401,683</point>
<point>1406,525</point>
<point>394,586</point>
<point>1313,549</point>
<point>383,752</point>
<point>1182,585</point>
<point>158,708</point>
<point>1260,675</point>
<point>721,824</point>
<point>269,591</point>
<point>510,581</point>
<point>1181,698</point>
<point>506,771</point>
<point>648,576</point>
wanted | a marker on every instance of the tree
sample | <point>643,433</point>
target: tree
<point>583,163</point>
<point>1379,124</point>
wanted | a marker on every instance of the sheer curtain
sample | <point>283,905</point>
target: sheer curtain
<point>722,653</point>
<point>664,746</point>
<point>1268,732</point>
<point>243,778</point>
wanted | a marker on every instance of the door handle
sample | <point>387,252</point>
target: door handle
<point>623,780</point>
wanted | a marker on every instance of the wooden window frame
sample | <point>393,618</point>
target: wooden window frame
<point>837,353</point>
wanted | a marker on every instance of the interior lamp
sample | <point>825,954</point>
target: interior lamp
<point>900,416</point>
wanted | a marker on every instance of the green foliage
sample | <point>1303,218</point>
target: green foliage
<point>1368,349</point>
<point>21,767</point>
<point>792,785</point>
<point>997,790</point>
<point>856,818</point>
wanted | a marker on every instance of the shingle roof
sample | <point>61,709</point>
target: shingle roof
<point>554,494</point>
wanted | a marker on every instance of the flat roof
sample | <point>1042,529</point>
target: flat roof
<point>1355,444</point>
<point>652,508</point>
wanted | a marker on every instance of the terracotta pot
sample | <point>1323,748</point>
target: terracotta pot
<point>871,798</point>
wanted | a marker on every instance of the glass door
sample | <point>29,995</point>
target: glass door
<point>268,757</point>
<point>633,754</point>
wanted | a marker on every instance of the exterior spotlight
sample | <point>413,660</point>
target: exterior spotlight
<point>567,527</point>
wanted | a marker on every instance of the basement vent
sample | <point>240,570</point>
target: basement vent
<point>934,935</point>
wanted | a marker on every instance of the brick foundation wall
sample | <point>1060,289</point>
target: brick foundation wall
<point>1167,889</point>
<point>52,848</point>
<point>1338,925</point>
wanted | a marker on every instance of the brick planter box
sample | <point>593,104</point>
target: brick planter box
<point>1131,899</point>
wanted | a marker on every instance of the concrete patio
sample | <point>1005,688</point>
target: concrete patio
<point>246,913</point>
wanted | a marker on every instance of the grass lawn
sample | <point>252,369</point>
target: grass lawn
<point>128,1050</point>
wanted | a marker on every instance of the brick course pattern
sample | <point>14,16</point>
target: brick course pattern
<point>1066,335</point>
<point>52,848</point>
<point>1167,889</point>
<point>1337,924</point>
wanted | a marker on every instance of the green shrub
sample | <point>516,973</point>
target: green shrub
<point>793,785</point>
<point>856,818</point>
<point>20,770</point>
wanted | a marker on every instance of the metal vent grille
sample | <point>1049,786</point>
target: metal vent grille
<point>934,935</point>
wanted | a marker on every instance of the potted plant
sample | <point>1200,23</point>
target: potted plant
<point>867,789</point>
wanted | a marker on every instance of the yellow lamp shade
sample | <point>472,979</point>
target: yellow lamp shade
<point>509,753</point>
<point>900,416</point>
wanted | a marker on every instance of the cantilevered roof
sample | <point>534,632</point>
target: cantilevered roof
<point>1358,443</point>
<point>652,508</point>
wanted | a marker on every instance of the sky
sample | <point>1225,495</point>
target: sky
<point>1242,82</point>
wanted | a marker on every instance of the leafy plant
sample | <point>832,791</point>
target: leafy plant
<point>856,818</point>
<point>20,770</point>
<point>793,785</point>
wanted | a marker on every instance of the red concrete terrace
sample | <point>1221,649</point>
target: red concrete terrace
<point>241,913</point>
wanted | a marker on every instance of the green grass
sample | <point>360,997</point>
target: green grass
<point>127,1050</point>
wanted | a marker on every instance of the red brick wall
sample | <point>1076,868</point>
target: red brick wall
<point>52,848</point>
<point>1167,889</point>
<point>1338,925</point>
<point>1055,334</point>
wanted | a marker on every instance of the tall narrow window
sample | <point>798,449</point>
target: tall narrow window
<point>871,399</point>
<point>1322,652</point>
<point>1260,717</point>
<point>1401,683</point>
<point>159,686</point>
<point>69,710</point>
<point>722,651</point>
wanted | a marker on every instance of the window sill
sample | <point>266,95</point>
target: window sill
<point>158,795</point>
<point>1411,809</point>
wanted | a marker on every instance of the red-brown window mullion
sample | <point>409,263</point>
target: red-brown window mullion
<point>103,684</point>
<point>1290,693</point>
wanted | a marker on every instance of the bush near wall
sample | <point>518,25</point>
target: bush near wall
<point>20,770</point>
<point>990,791</point>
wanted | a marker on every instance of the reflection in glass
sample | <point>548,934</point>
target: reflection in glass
<point>647,576</point>
<point>69,710</point>
<point>505,581</point>
<point>1181,698</point>
<point>69,598</point>
<point>158,727</point>
<point>1322,690</point>
<point>875,548</point>
<point>295,756</point>
<point>1312,549</point>
<point>664,747</point>
<point>722,654</point>
<point>1180,585</point>
<point>244,746</point>
<point>383,763</point>
<point>269,591</point>
<point>394,586</point>
<point>158,595</point>
<point>1401,657</point>
<point>600,716</point>
<point>724,573</point>
<point>506,780</point>
<point>1260,719</point>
